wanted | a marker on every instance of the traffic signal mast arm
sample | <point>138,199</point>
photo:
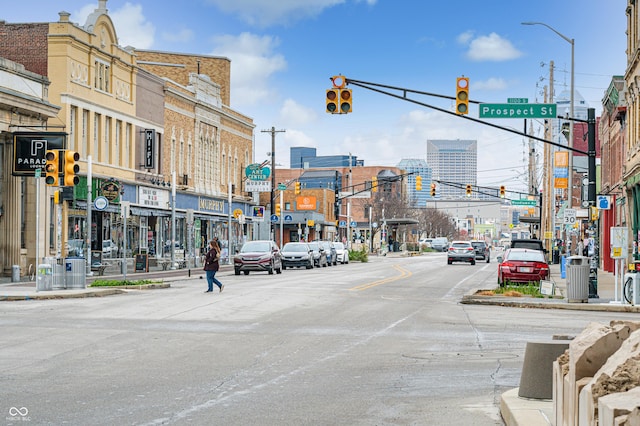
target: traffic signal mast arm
<point>375,87</point>
<point>478,189</point>
<point>379,183</point>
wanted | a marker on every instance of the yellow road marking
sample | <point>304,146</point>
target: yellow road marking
<point>404,273</point>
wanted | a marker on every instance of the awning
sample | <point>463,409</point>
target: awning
<point>138,211</point>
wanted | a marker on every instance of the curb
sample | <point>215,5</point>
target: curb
<point>543,304</point>
<point>83,293</point>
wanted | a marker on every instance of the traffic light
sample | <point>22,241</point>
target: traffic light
<point>418,183</point>
<point>297,188</point>
<point>468,190</point>
<point>374,184</point>
<point>57,197</point>
<point>333,96</point>
<point>345,101</point>
<point>462,95</point>
<point>71,168</point>
<point>433,190</point>
<point>502,190</point>
<point>278,209</point>
<point>51,167</point>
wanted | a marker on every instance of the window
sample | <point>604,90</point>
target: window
<point>97,118</point>
<point>116,148</point>
<point>101,80</point>
<point>107,139</point>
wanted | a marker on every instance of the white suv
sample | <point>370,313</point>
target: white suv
<point>109,248</point>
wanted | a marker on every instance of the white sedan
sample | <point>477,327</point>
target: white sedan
<point>342,253</point>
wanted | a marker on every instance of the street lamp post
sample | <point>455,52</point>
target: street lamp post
<point>571,106</point>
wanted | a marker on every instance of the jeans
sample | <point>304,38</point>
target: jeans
<point>211,279</point>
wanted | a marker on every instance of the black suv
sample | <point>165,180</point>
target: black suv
<point>482,250</point>
<point>529,243</point>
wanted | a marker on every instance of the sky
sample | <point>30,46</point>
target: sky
<point>283,54</point>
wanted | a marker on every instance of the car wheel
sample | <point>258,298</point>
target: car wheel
<point>284,266</point>
<point>246,272</point>
<point>449,261</point>
<point>473,262</point>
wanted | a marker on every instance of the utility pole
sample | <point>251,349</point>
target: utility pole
<point>273,132</point>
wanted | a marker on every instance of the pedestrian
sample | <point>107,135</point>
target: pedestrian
<point>211,266</point>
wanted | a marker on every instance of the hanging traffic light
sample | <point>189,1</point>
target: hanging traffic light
<point>418,183</point>
<point>297,190</point>
<point>502,191</point>
<point>468,190</point>
<point>374,184</point>
<point>332,100</point>
<point>71,168</point>
<point>462,95</point>
<point>345,101</point>
<point>433,190</point>
<point>278,209</point>
<point>51,167</point>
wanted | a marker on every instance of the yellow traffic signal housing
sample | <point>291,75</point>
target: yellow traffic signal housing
<point>502,191</point>
<point>71,168</point>
<point>332,100</point>
<point>468,190</point>
<point>57,197</point>
<point>374,184</point>
<point>418,183</point>
<point>346,105</point>
<point>462,95</point>
<point>297,188</point>
<point>433,190</point>
<point>51,167</point>
<point>278,209</point>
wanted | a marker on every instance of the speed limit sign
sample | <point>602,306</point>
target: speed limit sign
<point>569,216</point>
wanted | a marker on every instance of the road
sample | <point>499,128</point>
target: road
<point>378,343</point>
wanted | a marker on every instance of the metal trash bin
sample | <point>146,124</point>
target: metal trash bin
<point>44,277</point>
<point>578,279</point>
<point>75,273</point>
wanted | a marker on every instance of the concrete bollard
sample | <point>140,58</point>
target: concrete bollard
<point>536,380</point>
<point>15,273</point>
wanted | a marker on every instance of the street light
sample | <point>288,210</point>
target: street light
<point>571,105</point>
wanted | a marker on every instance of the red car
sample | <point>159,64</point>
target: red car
<point>522,266</point>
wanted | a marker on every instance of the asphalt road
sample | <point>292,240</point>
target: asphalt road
<point>378,343</point>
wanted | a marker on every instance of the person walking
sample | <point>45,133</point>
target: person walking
<point>211,266</point>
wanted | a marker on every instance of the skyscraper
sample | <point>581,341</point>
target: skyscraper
<point>417,167</point>
<point>454,164</point>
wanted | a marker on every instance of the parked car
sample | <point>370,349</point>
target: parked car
<point>342,253</point>
<point>297,255</point>
<point>109,248</point>
<point>522,265</point>
<point>259,255</point>
<point>425,242</point>
<point>330,250</point>
<point>483,251</point>
<point>319,255</point>
<point>440,244</point>
<point>461,251</point>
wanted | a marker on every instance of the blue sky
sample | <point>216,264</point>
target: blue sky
<point>284,52</point>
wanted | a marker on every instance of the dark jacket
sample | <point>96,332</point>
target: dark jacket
<point>210,262</point>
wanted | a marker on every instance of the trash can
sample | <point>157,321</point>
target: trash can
<point>15,273</point>
<point>44,277</point>
<point>578,279</point>
<point>555,256</point>
<point>75,272</point>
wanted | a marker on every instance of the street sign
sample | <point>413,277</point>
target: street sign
<point>282,187</point>
<point>353,224</point>
<point>288,218</point>
<point>603,202</point>
<point>518,110</point>
<point>524,203</point>
<point>569,216</point>
<point>342,224</point>
<point>518,100</point>
<point>274,218</point>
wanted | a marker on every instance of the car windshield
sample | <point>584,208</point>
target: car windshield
<point>478,245</point>
<point>255,246</point>
<point>528,255</point>
<point>338,246</point>
<point>296,247</point>
<point>314,246</point>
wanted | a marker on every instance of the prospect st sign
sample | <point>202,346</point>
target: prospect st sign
<point>514,110</point>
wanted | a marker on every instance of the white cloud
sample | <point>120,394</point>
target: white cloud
<point>264,13</point>
<point>293,114</point>
<point>132,27</point>
<point>492,48</point>
<point>253,62</point>
<point>492,83</point>
<point>465,37</point>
